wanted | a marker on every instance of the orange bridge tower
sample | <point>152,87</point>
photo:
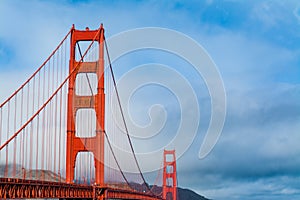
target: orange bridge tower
<point>96,101</point>
<point>169,175</point>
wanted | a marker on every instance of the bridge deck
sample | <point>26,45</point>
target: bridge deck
<point>18,188</point>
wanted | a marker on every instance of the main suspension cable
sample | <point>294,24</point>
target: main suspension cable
<point>39,69</point>
<point>50,98</point>
<point>123,117</point>
<point>115,158</point>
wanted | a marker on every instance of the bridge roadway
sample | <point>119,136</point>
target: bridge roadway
<point>11,188</point>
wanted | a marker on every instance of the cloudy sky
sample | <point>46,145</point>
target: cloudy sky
<point>256,48</point>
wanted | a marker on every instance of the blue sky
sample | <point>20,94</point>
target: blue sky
<point>256,46</point>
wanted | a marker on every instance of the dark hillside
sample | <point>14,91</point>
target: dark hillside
<point>186,194</point>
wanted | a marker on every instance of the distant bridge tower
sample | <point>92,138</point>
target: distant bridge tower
<point>75,102</point>
<point>169,175</point>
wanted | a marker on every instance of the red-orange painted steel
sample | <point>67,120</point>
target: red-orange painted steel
<point>26,189</point>
<point>14,188</point>
<point>33,189</point>
<point>169,175</point>
<point>95,144</point>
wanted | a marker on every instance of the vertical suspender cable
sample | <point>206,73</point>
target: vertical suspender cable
<point>31,131</point>
<point>15,142</point>
<point>43,125</point>
<point>6,158</point>
<point>37,127</point>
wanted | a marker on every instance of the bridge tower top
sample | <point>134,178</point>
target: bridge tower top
<point>169,175</point>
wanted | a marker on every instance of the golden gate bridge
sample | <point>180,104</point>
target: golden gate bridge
<point>63,133</point>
